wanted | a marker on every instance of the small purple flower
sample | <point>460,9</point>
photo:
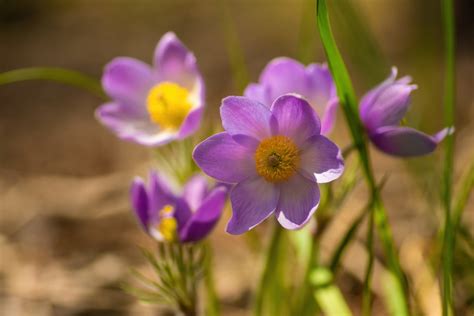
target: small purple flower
<point>381,111</point>
<point>154,105</point>
<point>276,157</point>
<point>314,83</point>
<point>168,217</point>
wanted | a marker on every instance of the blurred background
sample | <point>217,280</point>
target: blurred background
<point>67,236</point>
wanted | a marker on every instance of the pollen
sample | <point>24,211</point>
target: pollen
<point>277,158</point>
<point>167,226</point>
<point>168,104</point>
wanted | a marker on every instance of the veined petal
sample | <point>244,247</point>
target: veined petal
<point>205,218</point>
<point>295,117</point>
<point>140,203</point>
<point>253,200</point>
<point>242,116</point>
<point>222,158</point>
<point>128,80</point>
<point>387,103</point>
<point>321,160</point>
<point>299,199</point>
<point>405,141</point>
<point>367,100</point>
<point>389,106</point>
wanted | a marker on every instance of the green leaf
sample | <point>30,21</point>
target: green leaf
<point>349,105</point>
<point>272,287</point>
<point>61,75</point>
<point>449,105</point>
<point>327,294</point>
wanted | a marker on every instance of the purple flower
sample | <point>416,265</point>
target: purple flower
<point>381,111</point>
<point>285,75</point>
<point>154,105</point>
<point>168,217</point>
<point>276,157</point>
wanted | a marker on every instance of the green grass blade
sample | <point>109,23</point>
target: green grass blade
<point>393,295</point>
<point>65,76</point>
<point>349,105</point>
<point>449,104</point>
<point>212,301</point>
<point>327,294</point>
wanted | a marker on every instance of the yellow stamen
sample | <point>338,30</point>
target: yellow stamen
<point>168,225</point>
<point>277,158</point>
<point>168,104</point>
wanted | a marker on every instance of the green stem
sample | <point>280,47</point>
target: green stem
<point>267,282</point>
<point>212,308</point>
<point>349,105</point>
<point>367,294</point>
<point>449,104</point>
<point>66,76</point>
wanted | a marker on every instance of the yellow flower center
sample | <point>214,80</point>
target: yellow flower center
<point>168,104</point>
<point>277,158</point>
<point>168,225</point>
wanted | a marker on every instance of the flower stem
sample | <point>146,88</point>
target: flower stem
<point>212,308</point>
<point>367,294</point>
<point>270,285</point>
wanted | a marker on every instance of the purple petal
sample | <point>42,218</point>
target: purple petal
<point>159,192</point>
<point>132,127</point>
<point>296,119</point>
<point>205,218</point>
<point>389,106</point>
<point>194,191</point>
<point>245,119</point>
<point>321,87</point>
<point>329,116</point>
<point>128,80</point>
<point>182,212</point>
<point>191,123</point>
<point>405,141</point>
<point>387,103</point>
<point>321,160</point>
<point>284,75</point>
<point>258,92</point>
<point>299,199</point>
<point>253,200</point>
<point>438,137</point>
<point>139,199</point>
<point>175,63</point>
<point>368,99</point>
<point>222,158</point>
